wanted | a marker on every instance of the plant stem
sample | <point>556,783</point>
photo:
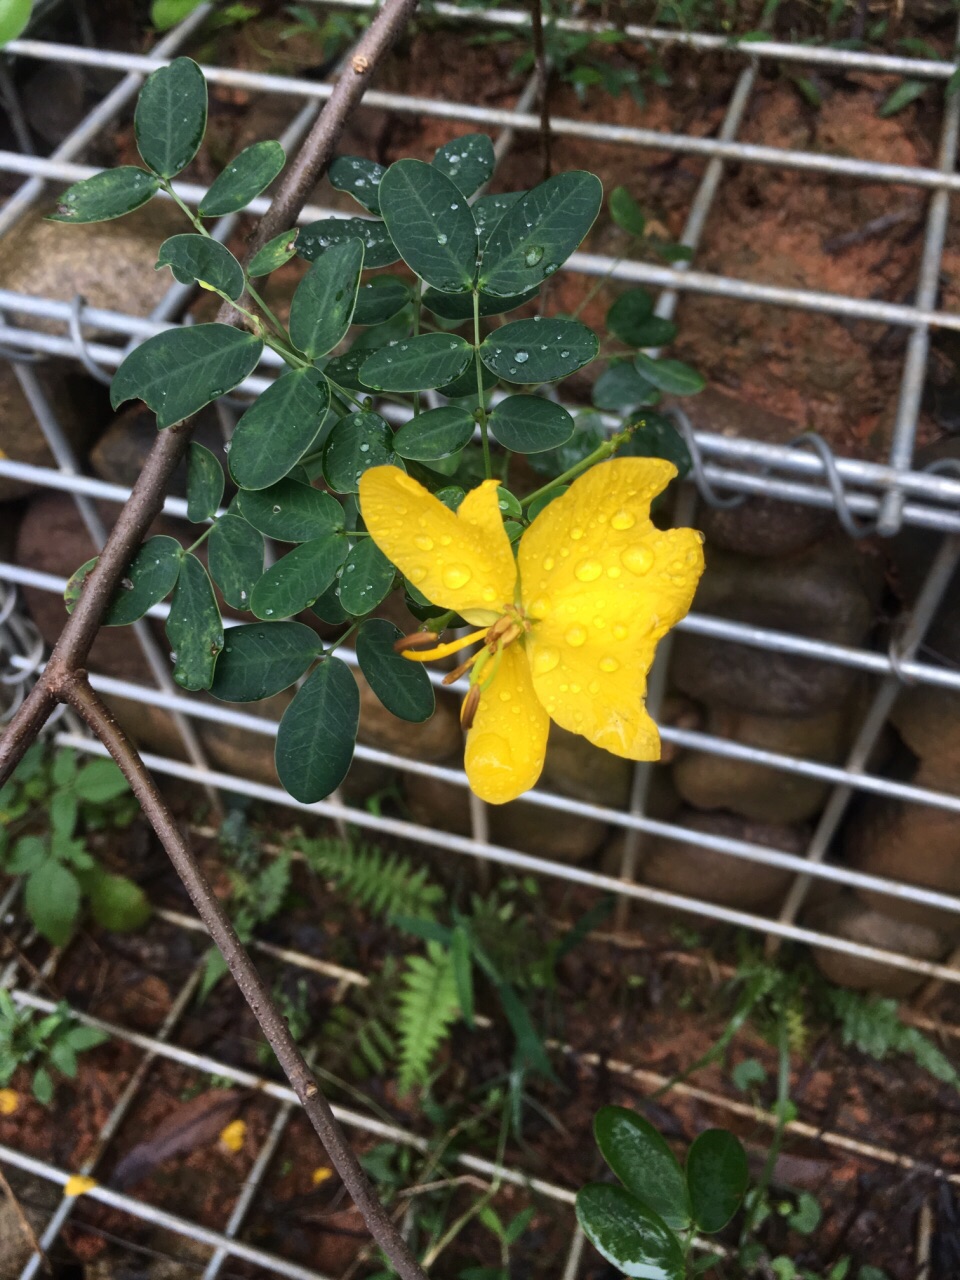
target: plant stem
<point>481,407</point>
<point>416,332</point>
<point>195,222</point>
<point>543,80</point>
<point>602,451</point>
<point>266,311</point>
<point>202,539</point>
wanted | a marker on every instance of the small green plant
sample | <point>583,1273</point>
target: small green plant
<point>45,1043</point>
<point>47,808</point>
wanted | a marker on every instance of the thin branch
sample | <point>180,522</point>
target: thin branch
<point>80,695</point>
<point>543,78</point>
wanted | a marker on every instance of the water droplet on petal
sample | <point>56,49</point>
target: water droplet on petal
<point>423,542</point>
<point>488,594</point>
<point>576,636</point>
<point>576,533</point>
<point>456,575</point>
<point>637,559</point>
<point>609,664</point>
<point>549,563</point>
<point>619,631</point>
<point>417,574</point>
<point>623,520</point>
<point>545,659</point>
<point>588,570</point>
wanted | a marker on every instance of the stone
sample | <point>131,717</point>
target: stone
<point>435,741</point>
<point>928,720</point>
<point>245,753</point>
<point>914,844</point>
<point>828,593</point>
<point>576,768</point>
<point>698,872</point>
<point>122,450</point>
<point>707,780</point>
<point>78,403</point>
<point>847,917</point>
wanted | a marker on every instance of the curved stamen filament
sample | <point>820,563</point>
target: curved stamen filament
<point>444,650</point>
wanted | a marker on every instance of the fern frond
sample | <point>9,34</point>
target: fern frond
<point>874,1026</point>
<point>358,1042</point>
<point>380,882</point>
<point>427,1007</point>
<point>272,884</point>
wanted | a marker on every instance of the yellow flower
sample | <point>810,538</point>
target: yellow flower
<point>9,1101</point>
<point>569,628</point>
<point>233,1135</point>
<point>78,1185</point>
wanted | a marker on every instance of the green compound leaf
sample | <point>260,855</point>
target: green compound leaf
<point>717,1177</point>
<point>235,557</point>
<point>538,233</point>
<point>365,579</point>
<point>359,178</point>
<point>323,303</point>
<point>459,306</point>
<point>628,314</point>
<point>291,511</point>
<point>488,210</point>
<point>358,441</point>
<point>194,257</point>
<point>204,484</point>
<point>273,254</point>
<point>672,376</point>
<point>644,1163</point>
<point>150,577</point>
<point>106,195</point>
<point>344,370</point>
<point>52,899</point>
<point>318,733</point>
<point>655,333</point>
<point>621,387</point>
<point>435,434</point>
<point>194,627</point>
<point>380,299</point>
<point>431,224</point>
<point>327,605</point>
<point>626,213</point>
<point>317,237</point>
<point>298,578</point>
<point>530,424</point>
<point>171,117</point>
<point>263,658</point>
<point>468,161</point>
<point>466,384</point>
<point>278,428</point>
<point>403,687</point>
<point>657,437</point>
<point>178,371</point>
<point>417,364</point>
<point>100,781</point>
<point>117,903</point>
<point>243,179</point>
<point>630,1236</point>
<point>539,350</point>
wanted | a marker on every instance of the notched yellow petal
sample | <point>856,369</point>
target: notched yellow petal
<point>507,743</point>
<point>457,563</point>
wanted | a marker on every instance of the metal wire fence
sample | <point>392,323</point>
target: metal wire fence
<point>868,497</point>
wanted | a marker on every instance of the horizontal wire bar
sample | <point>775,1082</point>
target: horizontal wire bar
<point>405,830</point>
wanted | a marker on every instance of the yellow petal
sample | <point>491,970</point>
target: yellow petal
<point>459,561</point>
<point>9,1101</point>
<point>233,1135</point>
<point>78,1185</point>
<point>321,1175</point>
<point>505,748</point>
<point>602,586</point>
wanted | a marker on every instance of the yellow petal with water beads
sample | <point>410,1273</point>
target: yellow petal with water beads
<point>507,742</point>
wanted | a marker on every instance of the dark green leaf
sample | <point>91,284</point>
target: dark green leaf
<point>263,658</point>
<point>106,195</point>
<point>194,257</point>
<point>459,306</point>
<point>631,1237</point>
<point>529,424</point>
<point>171,116</point>
<point>344,370</point>
<point>318,732</point>
<point>468,161</point>
<point>672,376</point>
<point>298,578</point>
<point>365,579</point>
<point>462,961</point>
<point>380,299</point>
<point>273,254</point>
<point>657,437</point>
<point>317,237</point>
<point>538,504</point>
<point>466,384</point>
<point>235,557</point>
<point>531,1050</point>
<point>43,1086</point>
<point>417,364</point>
<point>643,1162</point>
<point>509,505</point>
<point>30,852</point>
<point>359,178</point>
<point>204,484</point>
<point>906,92</point>
<point>62,808</point>
<point>327,606</point>
<point>621,387</point>
<point>358,441</point>
<point>100,781</point>
<point>438,433</point>
<point>178,371</point>
<point>82,1038</point>
<point>539,350</point>
<point>243,179</point>
<point>717,1176</point>
<point>403,687</point>
<point>654,333</point>
<point>291,511</point>
<point>630,311</point>
<point>194,627</point>
<point>431,224</point>
<point>53,901</point>
<point>323,304</point>
<point>488,210</point>
<point>626,213</point>
<point>117,903</point>
<point>538,233</point>
<point>151,576</point>
<point>278,428</point>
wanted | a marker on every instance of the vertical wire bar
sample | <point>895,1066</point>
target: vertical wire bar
<point>937,581</point>
<point>890,515</point>
<point>572,1267</point>
<point>115,1119</point>
<point>11,102</point>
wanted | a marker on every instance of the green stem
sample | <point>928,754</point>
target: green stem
<point>194,220</point>
<point>481,407</point>
<point>416,332</point>
<point>203,537</point>
<point>601,452</point>
<point>266,311</point>
<point>783,1098</point>
<point>293,358</point>
<point>337,643</point>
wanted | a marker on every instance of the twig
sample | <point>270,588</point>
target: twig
<point>543,77</point>
<point>24,1221</point>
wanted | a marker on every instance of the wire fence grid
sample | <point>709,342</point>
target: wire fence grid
<point>869,498</point>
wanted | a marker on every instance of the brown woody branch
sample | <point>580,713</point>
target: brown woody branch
<point>65,680</point>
